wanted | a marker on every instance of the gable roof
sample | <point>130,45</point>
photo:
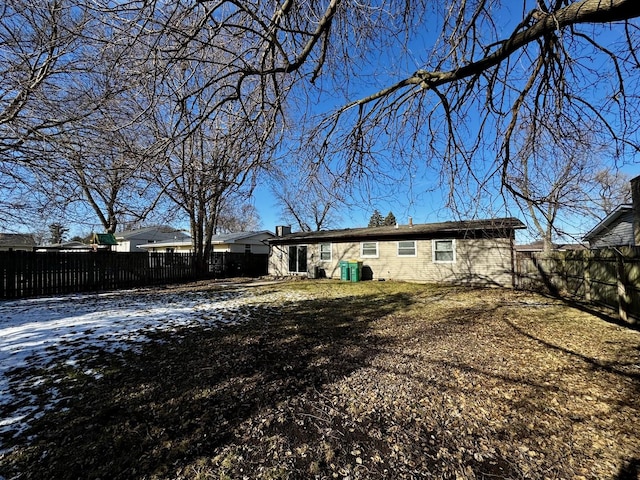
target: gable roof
<point>461,229</point>
<point>17,240</point>
<point>609,221</point>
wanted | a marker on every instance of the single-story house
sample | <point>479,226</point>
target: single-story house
<point>131,240</point>
<point>72,246</point>
<point>472,251</point>
<point>11,242</point>
<point>240,242</point>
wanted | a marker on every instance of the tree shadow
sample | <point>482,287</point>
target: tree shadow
<point>183,395</point>
<point>549,288</point>
<point>592,362</point>
<point>631,471</point>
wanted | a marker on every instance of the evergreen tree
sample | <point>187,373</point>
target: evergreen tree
<point>376,219</point>
<point>57,232</point>
<point>390,220</point>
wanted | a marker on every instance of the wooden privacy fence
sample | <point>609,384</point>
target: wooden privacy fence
<point>609,277</point>
<point>29,274</point>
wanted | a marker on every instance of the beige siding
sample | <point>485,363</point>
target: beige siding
<point>278,260</point>
<point>483,261</point>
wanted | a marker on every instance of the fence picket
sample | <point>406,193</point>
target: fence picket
<point>609,277</point>
<point>28,274</point>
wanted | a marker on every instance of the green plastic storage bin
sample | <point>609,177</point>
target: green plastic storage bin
<point>344,270</point>
<point>355,271</point>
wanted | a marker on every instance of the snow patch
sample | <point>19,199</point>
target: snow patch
<point>43,333</point>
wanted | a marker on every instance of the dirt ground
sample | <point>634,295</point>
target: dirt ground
<point>371,380</point>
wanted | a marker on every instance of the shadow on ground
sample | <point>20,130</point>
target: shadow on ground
<point>182,397</point>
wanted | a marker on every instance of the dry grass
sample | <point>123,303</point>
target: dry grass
<point>372,380</point>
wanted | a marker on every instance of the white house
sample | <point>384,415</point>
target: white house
<point>240,242</point>
<point>16,241</point>
<point>132,240</point>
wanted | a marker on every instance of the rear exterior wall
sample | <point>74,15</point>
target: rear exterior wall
<point>477,261</point>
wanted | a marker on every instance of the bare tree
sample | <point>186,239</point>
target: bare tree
<point>237,215</point>
<point>200,173</point>
<point>40,56</point>
<point>213,128</point>
<point>612,189</point>
<point>309,196</point>
<point>99,167</point>
<point>551,177</point>
<point>39,44</point>
<point>462,108</point>
<point>206,71</point>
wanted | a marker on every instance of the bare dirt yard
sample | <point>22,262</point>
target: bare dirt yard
<point>371,380</point>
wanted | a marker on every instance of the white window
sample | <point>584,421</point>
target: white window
<point>407,248</point>
<point>444,251</point>
<point>369,249</point>
<point>325,252</point>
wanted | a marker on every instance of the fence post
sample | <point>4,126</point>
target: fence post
<point>623,298</point>
<point>586,265</point>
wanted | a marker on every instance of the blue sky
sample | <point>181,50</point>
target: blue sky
<point>425,198</point>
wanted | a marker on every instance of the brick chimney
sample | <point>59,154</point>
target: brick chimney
<point>282,230</point>
<point>635,199</point>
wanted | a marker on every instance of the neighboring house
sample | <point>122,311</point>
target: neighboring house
<point>621,228</point>
<point>615,230</point>
<point>131,240</point>
<point>16,241</point>
<point>241,242</point>
<point>169,246</point>
<point>71,246</point>
<point>474,251</point>
<point>538,246</point>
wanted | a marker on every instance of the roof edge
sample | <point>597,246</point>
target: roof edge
<point>609,219</point>
<point>413,230</point>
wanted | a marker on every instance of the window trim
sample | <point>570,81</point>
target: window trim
<point>362,254</point>
<point>453,250</point>
<point>330,251</point>
<point>415,248</point>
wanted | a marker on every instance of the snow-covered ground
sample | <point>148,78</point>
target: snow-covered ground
<point>45,332</point>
